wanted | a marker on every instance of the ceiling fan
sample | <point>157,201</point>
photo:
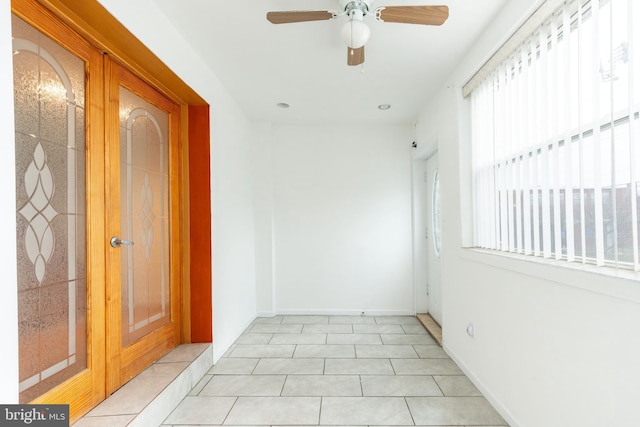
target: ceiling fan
<point>355,32</point>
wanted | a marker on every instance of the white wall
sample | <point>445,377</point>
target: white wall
<point>9,285</point>
<point>342,219</point>
<point>263,204</point>
<point>553,346</point>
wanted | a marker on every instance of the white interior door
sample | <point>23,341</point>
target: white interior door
<point>433,239</point>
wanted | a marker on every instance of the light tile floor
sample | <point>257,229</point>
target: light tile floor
<point>335,371</point>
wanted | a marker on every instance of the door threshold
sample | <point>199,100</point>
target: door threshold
<point>149,398</point>
<point>431,326</point>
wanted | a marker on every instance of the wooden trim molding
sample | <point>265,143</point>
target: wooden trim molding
<point>200,219</point>
<point>93,22</point>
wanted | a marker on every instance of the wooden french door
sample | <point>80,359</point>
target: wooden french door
<point>97,158</point>
<point>60,176</point>
<point>143,222</point>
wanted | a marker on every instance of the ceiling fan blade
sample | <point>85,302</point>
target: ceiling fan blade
<point>288,17</point>
<point>355,56</point>
<point>424,15</point>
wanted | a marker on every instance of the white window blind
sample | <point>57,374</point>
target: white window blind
<point>556,139</point>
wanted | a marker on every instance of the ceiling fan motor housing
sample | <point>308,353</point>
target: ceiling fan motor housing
<point>350,5</point>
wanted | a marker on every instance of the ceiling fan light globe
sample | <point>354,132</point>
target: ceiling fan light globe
<point>355,33</point>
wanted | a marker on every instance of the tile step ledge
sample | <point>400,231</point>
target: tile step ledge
<point>148,399</point>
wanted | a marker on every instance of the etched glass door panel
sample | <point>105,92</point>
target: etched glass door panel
<point>49,94</point>
<point>144,216</point>
<point>144,269</point>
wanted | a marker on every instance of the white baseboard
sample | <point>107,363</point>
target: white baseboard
<point>354,312</point>
<point>502,410</point>
<point>220,348</point>
<point>266,314</point>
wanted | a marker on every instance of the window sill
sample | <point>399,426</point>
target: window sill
<point>621,284</point>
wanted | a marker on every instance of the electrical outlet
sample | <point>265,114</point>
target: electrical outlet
<point>470,330</point>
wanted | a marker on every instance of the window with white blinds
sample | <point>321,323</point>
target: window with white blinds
<point>556,140</point>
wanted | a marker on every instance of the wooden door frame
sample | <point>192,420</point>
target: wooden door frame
<point>94,24</point>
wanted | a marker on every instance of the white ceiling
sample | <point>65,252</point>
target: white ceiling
<point>305,64</point>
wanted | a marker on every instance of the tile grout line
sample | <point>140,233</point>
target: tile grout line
<point>230,409</point>
<point>438,385</point>
<point>286,378</point>
<point>409,409</point>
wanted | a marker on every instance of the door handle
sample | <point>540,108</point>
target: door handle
<point>116,242</point>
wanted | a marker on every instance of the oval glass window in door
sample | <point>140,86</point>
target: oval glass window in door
<point>435,214</point>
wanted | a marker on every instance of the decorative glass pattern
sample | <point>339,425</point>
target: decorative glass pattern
<point>49,88</point>
<point>144,181</point>
<point>39,213</point>
<point>146,216</point>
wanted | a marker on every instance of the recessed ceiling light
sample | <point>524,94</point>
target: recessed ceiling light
<point>384,107</point>
<point>282,105</point>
